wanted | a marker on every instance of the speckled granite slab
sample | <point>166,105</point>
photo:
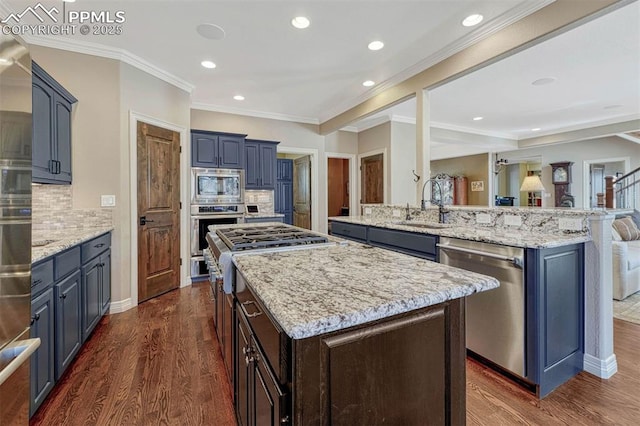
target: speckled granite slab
<point>262,215</point>
<point>498,234</point>
<point>319,290</point>
<point>62,239</point>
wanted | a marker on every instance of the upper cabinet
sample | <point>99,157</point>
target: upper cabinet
<point>51,154</point>
<point>260,164</point>
<point>217,150</point>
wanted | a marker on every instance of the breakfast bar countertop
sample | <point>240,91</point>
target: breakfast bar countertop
<point>319,290</point>
<point>61,239</point>
<point>496,235</point>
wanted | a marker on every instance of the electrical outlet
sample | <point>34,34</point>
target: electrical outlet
<point>570,224</point>
<point>512,220</point>
<point>367,210</point>
<point>483,218</point>
<point>396,213</point>
<point>107,200</point>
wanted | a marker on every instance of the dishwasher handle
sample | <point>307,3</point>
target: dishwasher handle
<point>518,262</point>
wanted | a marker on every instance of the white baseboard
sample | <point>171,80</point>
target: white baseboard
<point>120,306</point>
<point>603,368</point>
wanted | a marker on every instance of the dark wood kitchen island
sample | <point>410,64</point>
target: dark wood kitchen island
<point>350,335</point>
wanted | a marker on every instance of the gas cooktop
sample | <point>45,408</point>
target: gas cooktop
<point>264,237</point>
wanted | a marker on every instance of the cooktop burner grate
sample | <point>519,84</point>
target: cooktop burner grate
<point>252,238</point>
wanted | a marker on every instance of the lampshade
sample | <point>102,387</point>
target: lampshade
<point>532,184</point>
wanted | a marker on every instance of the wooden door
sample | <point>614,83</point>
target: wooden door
<point>338,185</point>
<point>372,175</point>
<point>302,192</point>
<point>158,211</point>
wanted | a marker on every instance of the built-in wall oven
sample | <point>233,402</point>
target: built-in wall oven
<point>203,216</point>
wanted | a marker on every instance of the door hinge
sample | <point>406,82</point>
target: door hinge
<point>180,261</point>
<point>180,149</point>
<point>180,205</point>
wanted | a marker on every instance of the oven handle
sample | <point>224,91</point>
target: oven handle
<point>215,215</point>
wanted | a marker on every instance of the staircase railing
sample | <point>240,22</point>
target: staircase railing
<point>627,190</point>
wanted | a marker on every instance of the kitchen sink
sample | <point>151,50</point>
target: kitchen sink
<point>41,243</point>
<point>426,225</point>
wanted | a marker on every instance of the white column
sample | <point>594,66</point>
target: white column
<point>423,142</point>
<point>599,358</point>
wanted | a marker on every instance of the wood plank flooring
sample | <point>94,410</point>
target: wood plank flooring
<point>158,364</point>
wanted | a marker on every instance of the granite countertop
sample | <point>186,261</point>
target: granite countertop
<point>504,236</point>
<point>261,215</point>
<point>319,290</point>
<point>62,239</point>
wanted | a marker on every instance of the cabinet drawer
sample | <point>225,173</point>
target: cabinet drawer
<point>67,262</point>
<point>41,276</point>
<point>348,230</point>
<point>421,245</point>
<point>92,248</point>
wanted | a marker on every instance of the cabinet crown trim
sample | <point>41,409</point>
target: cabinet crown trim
<point>46,77</point>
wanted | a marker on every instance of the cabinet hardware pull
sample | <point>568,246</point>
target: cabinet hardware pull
<point>63,296</point>
<point>37,318</point>
<point>33,319</point>
<point>36,282</point>
<point>99,245</point>
<point>243,306</point>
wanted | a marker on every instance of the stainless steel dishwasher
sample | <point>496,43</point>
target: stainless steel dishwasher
<point>495,320</point>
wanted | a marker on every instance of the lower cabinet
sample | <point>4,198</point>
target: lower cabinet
<point>68,329</point>
<point>42,360</point>
<point>67,302</point>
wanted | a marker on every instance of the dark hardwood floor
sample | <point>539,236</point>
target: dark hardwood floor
<point>159,364</point>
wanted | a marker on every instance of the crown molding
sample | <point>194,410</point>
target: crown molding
<point>252,113</point>
<point>95,49</point>
<point>500,22</point>
<point>582,126</point>
<point>352,129</point>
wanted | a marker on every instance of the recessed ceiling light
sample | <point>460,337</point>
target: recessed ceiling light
<point>208,64</point>
<point>543,81</point>
<point>211,31</point>
<point>300,22</point>
<point>472,20</point>
<point>368,83</point>
<point>612,106</point>
<point>477,118</point>
<point>376,45</point>
<point>535,129</point>
<point>238,98</point>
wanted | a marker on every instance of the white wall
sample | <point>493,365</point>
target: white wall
<point>578,152</point>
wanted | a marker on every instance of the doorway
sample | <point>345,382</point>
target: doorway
<point>338,196</point>
<point>158,210</point>
<point>372,179</point>
<point>594,173</point>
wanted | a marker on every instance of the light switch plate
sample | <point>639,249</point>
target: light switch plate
<point>367,210</point>
<point>570,224</point>
<point>512,220</point>
<point>107,200</point>
<point>483,218</point>
<point>396,213</point>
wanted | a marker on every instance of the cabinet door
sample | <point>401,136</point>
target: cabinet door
<point>220,315</point>
<point>231,152</point>
<point>62,148</point>
<point>268,160</point>
<point>204,150</point>
<point>227,337</point>
<point>68,321</point>
<point>285,169</point>
<point>42,367</point>
<point>243,360</point>
<point>252,165</point>
<point>91,296</point>
<point>268,399</point>
<point>42,154</point>
<point>105,282</point>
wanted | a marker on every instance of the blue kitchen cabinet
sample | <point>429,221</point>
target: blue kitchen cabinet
<point>51,145</point>
<point>42,361</point>
<point>284,189</point>
<point>96,282</point>
<point>217,150</point>
<point>260,164</point>
<point>68,321</point>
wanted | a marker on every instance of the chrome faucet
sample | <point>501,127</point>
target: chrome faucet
<point>439,202</point>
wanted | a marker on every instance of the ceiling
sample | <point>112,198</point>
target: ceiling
<point>305,75</point>
<point>596,68</point>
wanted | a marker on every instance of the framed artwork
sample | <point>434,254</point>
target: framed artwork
<point>477,185</point>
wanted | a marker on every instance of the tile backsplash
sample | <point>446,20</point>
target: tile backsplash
<point>52,208</point>
<point>263,198</point>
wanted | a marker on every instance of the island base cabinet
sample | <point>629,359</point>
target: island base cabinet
<point>408,369</point>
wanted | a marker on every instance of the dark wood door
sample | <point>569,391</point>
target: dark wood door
<point>302,192</point>
<point>372,175</point>
<point>158,210</point>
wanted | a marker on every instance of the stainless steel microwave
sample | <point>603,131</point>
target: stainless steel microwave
<point>217,186</point>
<point>15,180</point>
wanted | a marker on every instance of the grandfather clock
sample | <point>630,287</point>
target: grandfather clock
<point>561,178</point>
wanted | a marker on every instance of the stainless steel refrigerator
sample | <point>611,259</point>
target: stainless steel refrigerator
<point>15,231</point>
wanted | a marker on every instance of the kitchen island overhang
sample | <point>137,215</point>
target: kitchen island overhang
<point>371,335</point>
